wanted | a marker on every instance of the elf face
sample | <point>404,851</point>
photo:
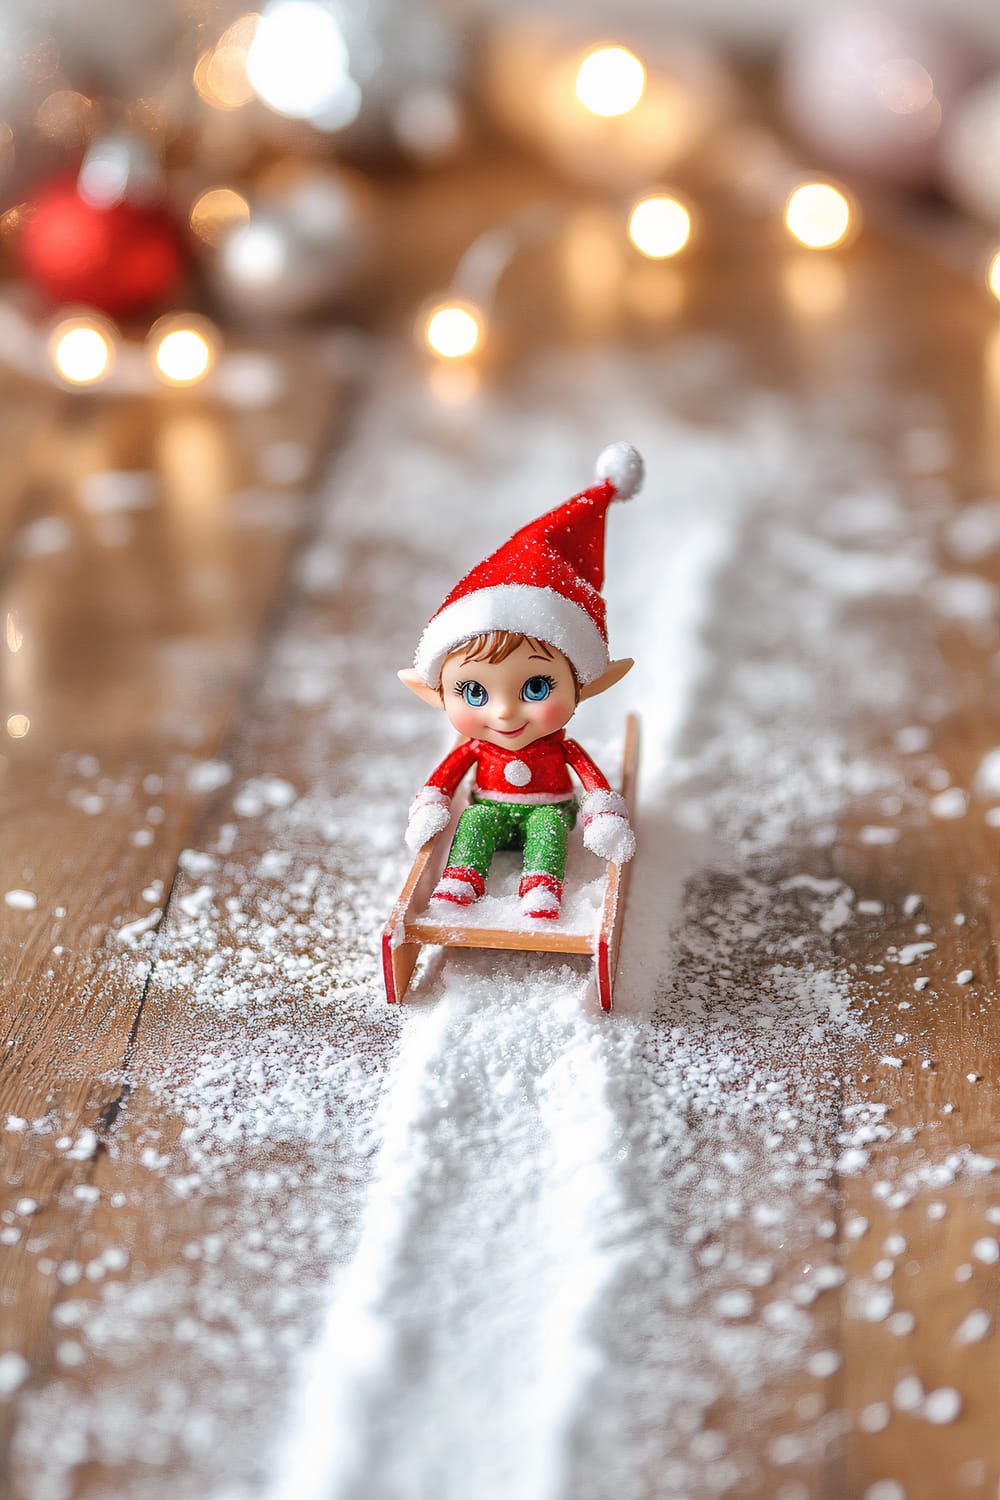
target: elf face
<point>512,703</point>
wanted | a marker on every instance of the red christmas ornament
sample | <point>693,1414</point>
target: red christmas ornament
<point>119,258</point>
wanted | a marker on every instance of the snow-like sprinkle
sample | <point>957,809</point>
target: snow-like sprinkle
<point>911,953</point>
<point>208,775</point>
<point>14,1372</point>
<point>885,1489</point>
<point>908,1394</point>
<point>876,833</point>
<point>21,900</point>
<point>942,1405</point>
<point>987,1250</point>
<point>875,1417</point>
<point>973,1327</point>
<point>954,803</point>
<point>261,794</point>
<point>964,976</point>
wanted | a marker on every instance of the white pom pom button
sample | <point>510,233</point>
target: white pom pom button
<point>517,773</point>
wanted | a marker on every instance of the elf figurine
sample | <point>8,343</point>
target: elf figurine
<point>508,656</point>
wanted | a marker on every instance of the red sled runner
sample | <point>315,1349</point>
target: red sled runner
<point>595,932</point>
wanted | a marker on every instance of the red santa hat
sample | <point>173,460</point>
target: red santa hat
<point>545,582</point>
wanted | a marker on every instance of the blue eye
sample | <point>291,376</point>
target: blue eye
<point>537,689</point>
<point>474,694</point>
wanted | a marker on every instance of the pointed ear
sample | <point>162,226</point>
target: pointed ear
<point>615,672</point>
<point>416,684</point>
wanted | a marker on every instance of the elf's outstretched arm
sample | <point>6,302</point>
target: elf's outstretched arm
<point>430,810</point>
<point>606,828</point>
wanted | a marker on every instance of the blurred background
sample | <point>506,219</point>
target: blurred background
<point>178,176</point>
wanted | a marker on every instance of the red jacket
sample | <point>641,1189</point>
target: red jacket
<point>536,773</point>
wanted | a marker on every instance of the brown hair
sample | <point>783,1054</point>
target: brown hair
<point>496,645</point>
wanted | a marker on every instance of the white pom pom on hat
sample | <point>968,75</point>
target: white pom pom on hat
<point>622,466</point>
<point>544,582</point>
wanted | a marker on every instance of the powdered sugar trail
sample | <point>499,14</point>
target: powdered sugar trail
<point>546,1172</point>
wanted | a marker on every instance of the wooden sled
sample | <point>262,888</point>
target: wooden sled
<point>409,928</point>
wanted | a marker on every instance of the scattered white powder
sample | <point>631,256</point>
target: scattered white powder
<point>942,1405</point>
<point>875,1417</point>
<point>953,803</point>
<point>987,779</point>
<point>114,490</point>
<point>964,976</point>
<point>908,1394</point>
<point>987,1250</point>
<point>975,531</point>
<point>208,775</point>
<point>21,900</point>
<point>885,1489</point>
<point>13,1373</point>
<point>913,738</point>
<point>911,952</point>
<point>973,1327</point>
<point>261,794</point>
<point>874,833</point>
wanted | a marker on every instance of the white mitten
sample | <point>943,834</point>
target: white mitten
<point>430,813</point>
<point>606,829</point>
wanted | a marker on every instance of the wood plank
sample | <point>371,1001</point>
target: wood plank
<point>141,620</point>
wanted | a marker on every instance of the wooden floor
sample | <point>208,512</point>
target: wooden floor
<point>161,642</point>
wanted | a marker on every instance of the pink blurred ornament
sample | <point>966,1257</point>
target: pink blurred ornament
<point>869,88</point>
<point>970,152</point>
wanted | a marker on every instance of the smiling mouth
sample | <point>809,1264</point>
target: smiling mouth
<point>512,732</point>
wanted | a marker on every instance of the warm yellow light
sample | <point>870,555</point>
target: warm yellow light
<point>183,356</point>
<point>217,210</point>
<point>993,276</point>
<point>81,351</point>
<point>18,726</point>
<point>298,64</point>
<point>659,227</point>
<point>610,81</point>
<point>818,215</point>
<point>13,632</point>
<point>454,330</point>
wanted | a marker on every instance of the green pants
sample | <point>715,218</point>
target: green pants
<point>540,828</point>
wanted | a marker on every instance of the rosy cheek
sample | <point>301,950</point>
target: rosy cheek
<point>552,714</point>
<point>460,715</point>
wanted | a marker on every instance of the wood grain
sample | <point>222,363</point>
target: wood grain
<point>161,643</point>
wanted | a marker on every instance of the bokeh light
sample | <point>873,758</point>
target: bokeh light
<point>183,349</point>
<point>298,64</point>
<point>217,210</point>
<point>818,215</point>
<point>610,81</point>
<point>659,226</point>
<point>453,330</point>
<point>993,275</point>
<point>18,726</point>
<point>220,75</point>
<point>13,634</point>
<point>81,350</point>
